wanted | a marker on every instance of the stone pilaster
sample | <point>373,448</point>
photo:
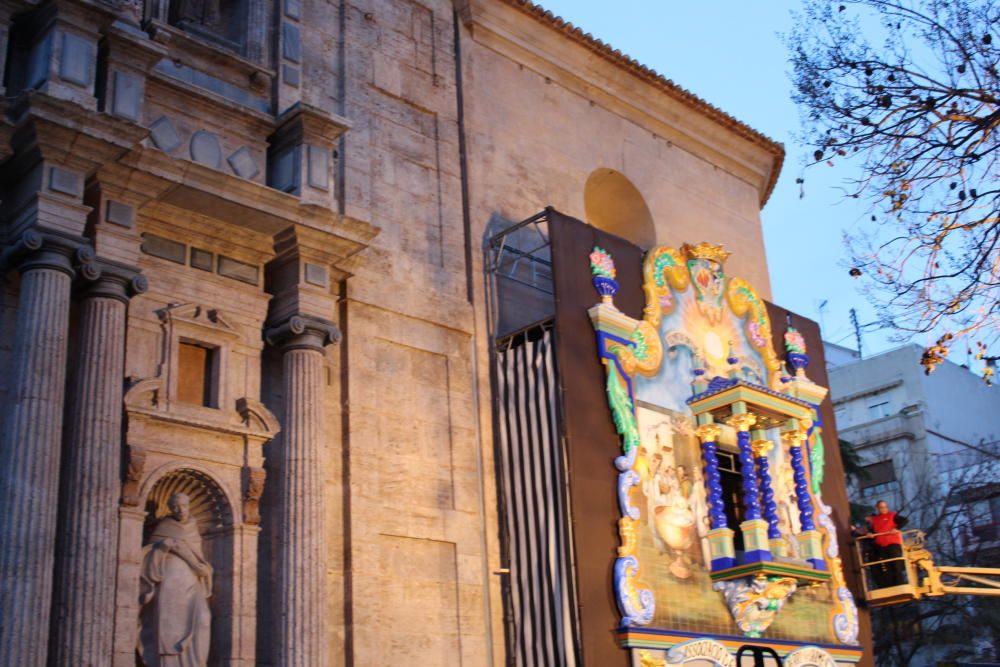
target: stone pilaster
<point>30,445</point>
<point>301,568</point>
<point>82,625</point>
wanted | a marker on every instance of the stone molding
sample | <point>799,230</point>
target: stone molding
<point>302,332</point>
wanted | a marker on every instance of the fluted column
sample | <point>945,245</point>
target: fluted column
<point>82,622</point>
<point>30,447</point>
<point>301,567</point>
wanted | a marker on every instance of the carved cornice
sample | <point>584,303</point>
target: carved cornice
<point>302,332</point>
<point>199,316</point>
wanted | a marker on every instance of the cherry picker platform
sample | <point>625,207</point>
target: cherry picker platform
<point>914,575</point>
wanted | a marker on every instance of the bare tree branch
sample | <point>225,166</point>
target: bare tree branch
<point>906,95</point>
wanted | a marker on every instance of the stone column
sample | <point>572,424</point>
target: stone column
<point>755,543</point>
<point>301,568</point>
<point>82,621</point>
<point>30,446</point>
<point>720,535</point>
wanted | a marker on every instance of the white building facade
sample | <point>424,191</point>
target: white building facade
<point>929,446</point>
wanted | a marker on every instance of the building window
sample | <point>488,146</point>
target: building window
<point>878,478</point>
<point>197,374</point>
<point>732,494</point>
<point>878,409</point>
<point>219,21</point>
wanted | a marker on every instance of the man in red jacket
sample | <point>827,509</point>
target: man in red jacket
<point>884,526</point>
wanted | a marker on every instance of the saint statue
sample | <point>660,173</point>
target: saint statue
<point>174,587</point>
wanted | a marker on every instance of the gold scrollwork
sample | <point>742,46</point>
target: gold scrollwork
<point>646,659</point>
<point>645,358</point>
<point>663,269</point>
<point>629,537</point>
<point>743,300</point>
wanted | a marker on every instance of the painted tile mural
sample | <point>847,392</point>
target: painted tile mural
<point>704,334</point>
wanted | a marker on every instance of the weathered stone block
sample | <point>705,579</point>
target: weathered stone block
<point>76,64</point>
<point>164,134</point>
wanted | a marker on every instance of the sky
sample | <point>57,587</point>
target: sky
<point>730,53</point>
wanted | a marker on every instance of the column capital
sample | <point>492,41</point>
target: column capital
<point>742,421</point>
<point>37,250</point>
<point>302,332</point>
<point>761,447</point>
<point>795,438</point>
<point>112,280</point>
<point>708,432</point>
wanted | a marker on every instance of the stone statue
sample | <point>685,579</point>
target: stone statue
<point>174,587</point>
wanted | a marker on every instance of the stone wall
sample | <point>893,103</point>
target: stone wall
<point>315,171</point>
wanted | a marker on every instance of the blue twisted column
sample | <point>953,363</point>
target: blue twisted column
<point>810,539</point>
<point>709,434</point>
<point>802,499</point>
<point>720,536</point>
<point>756,546</point>
<point>761,448</point>
<point>751,496</point>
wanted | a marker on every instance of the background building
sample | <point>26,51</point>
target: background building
<point>243,242</point>
<point>930,446</point>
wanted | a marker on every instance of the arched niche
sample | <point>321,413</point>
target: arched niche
<point>614,205</point>
<point>214,514</point>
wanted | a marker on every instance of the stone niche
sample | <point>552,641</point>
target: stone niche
<point>213,513</point>
<point>212,453</point>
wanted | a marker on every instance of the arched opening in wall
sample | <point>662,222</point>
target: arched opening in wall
<point>211,511</point>
<point>613,204</point>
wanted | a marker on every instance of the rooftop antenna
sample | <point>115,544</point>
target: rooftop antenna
<point>821,308</point>
<point>857,331</point>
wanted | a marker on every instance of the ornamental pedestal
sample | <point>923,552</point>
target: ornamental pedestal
<point>301,568</point>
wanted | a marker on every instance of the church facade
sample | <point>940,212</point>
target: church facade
<point>248,338</point>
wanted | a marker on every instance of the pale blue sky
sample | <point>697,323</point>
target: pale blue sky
<point>730,54</point>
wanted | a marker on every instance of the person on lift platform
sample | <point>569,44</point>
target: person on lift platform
<point>886,543</point>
